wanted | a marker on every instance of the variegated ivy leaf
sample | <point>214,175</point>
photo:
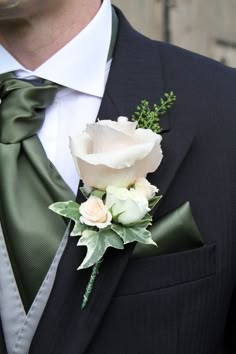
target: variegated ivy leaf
<point>78,229</point>
<point>134,233</point>
<point>85,191</point>
<point>98,193</point>
<point>69,210</point>
<point>154,201</point>
<point>144,223</point>
<point>97,243</point>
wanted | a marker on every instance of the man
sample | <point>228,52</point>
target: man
<point>179,302</point>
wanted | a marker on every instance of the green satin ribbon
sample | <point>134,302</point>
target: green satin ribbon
<point>174,232</point>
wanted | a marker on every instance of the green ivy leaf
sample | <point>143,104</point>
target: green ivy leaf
<point>97,244</point>
<point>98,193</point>
<point>78,229</point>
<point>68,209</point>
<point>134,233</point>
<point>144,223</point>
<point>154,201</point>
<point>85,192</point>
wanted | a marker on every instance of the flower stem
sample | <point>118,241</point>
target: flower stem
<point>90,285</point>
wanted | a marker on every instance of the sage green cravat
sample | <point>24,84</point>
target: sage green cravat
<point>29,183</point>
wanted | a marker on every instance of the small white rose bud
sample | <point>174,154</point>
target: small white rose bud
<point>127,206</point>
<point>95,213</point>
<point>142,186</point>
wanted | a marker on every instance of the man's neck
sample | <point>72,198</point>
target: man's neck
<point>32,41</point>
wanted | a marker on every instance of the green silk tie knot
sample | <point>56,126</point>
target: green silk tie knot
<point>29,183</point>
<point>23,121</point>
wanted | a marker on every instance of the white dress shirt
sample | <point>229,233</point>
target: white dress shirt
<point>81,67</point>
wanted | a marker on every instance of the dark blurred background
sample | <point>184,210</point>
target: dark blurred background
<point>207,27</point>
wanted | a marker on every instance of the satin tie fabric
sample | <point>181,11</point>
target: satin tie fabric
<point>174,232</point>
<point>29,183</point>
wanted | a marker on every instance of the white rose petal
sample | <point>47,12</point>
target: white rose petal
<point>144,187</point>
<point>122,119</point>
<point>122,124</point>
<point>110,139</point>
<point>128,206</point>
<point>95,213</point>
<point>115,153</point>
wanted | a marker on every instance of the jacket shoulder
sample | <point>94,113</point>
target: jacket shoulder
<point>186,61</point>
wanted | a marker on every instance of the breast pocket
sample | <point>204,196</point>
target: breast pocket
<point>158,272</point>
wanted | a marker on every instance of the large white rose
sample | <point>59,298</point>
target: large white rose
<point>127,206</point>
<point>115,153</point>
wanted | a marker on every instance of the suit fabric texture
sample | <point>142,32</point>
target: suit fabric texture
<point>181,303</point>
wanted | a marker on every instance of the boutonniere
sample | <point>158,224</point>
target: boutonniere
<point>113,160</point>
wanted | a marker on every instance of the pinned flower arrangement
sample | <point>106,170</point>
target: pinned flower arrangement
<point>113,160</point>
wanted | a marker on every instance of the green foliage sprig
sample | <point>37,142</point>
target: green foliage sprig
<point>148,118</point>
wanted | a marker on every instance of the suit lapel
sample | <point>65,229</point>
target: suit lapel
<point>175,146</point>
<point>131,79</point>
<point>134,78</point>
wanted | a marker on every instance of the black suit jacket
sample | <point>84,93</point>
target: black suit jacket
<point>181,303</point>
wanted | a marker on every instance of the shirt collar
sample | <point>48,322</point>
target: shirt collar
<point>79,65</point>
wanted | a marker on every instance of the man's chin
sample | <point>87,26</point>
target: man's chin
<point>8,4</point>
<point>11,10</point>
